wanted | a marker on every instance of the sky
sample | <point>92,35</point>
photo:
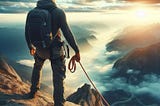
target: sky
<point>21,6</point>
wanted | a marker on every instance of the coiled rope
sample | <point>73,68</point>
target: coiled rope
<point>72,68</point>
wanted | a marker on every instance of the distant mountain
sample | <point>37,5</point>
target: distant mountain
<point>135,36</point>
<point>139,62</point>
<point>137,77</point>
<point>83,36</point>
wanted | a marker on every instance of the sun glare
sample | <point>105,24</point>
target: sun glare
<point>141,13</point>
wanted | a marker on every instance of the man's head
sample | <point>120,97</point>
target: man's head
<point>49,0</point>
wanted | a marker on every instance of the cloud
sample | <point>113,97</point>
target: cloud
<point>18,0</point>
<point>148,88</point>
<point>145,1</point>
<point>15,7</point>
<point>26,62</point>
<point>22,6</point>
<point>150,85</point>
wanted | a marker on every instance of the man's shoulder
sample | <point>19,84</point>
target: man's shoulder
<point>59,11</point>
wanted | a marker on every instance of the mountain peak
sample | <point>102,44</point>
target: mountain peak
<point>14,91</point>
<point>85,96</point>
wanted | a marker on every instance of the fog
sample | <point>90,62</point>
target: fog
<point>104,26</point>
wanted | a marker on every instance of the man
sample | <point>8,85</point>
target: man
<point>56,55</point>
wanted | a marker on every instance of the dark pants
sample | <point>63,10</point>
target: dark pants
<point>59,69</point>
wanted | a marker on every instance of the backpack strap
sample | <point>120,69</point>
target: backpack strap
<point>50,11</point>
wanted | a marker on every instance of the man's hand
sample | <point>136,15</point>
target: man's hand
<point>77,57</point>
<point>33,51</point>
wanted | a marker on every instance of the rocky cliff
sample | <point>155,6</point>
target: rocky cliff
<point>13,91</point>
<point>139,62</point>
<point>135,36</point>
<point>136,78</point>
<point>85,96</point>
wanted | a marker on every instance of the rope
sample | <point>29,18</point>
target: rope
<point>72,65</point>
<point>72,68</point>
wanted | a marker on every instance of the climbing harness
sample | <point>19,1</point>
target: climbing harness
<point>66,50</point>
<point>72,68</point>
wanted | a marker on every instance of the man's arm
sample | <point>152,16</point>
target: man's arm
<point>67,32</point>
<point>30,46</point>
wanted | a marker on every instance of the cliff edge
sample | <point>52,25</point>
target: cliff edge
<point>13,91</point>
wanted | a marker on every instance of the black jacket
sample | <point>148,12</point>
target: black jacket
<point>58,22</point>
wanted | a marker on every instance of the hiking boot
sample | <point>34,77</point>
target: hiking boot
<point>31,95</point>
<point>58,103</point>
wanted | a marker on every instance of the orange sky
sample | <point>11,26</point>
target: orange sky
<point>146,1</point>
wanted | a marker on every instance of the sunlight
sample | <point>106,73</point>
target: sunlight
<point>141,13</point>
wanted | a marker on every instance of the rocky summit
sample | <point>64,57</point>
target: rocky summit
<point>13,91</point>
<point>85,96</point>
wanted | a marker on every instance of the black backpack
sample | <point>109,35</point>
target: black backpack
<point>39,27</point>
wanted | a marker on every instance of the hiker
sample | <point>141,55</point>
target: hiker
<point>41,49</point>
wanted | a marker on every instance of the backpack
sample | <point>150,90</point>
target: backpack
<point>39,27</point>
